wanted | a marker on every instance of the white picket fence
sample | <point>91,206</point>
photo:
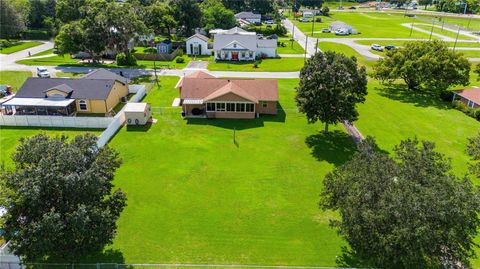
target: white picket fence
<point>55,121</point>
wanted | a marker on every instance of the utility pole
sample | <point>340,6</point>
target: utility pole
<point>306,47</point>
<point>431,31</point>
<point>411,28</point>
<point>316,47</point>
<point>456,38</point>
<point>313,23</point>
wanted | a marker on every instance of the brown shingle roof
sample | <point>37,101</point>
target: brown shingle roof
<point>199,88</point>
<point>231,87</point>
<point>472,94</point>
<point>196,74</point>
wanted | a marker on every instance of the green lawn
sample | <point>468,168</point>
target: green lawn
<point>370,25</point>
<point>440,31</point>
<point>466,53</point>
<point>291,47</point>
<point>267,65</point>
<point>66,60</point>
<point>45,52</point>
<point>14,78</point>
<point>469,23</point>
<point>69,74</point>
<point>196,197</point>
<point>402,42</point>
<point>345,49</point>
<point>19,47</point>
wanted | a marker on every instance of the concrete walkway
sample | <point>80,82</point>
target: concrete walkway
<point>8,60</point>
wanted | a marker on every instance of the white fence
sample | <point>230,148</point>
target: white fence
<point>55,121</point>
<point>112,129</point>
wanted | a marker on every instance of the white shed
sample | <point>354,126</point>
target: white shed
<point>137,113</point>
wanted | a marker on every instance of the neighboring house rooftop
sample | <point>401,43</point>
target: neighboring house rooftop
<point>82,88</point>
<point>472,94</point>
<point>105,74</point>
<point>247,15</point>
<point>202,37</point>
<point>208,89</point>
<point>233,31</point>
<point>196,74</point>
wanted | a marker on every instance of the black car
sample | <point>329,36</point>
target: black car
<point>390,47</point>
<point>352,7</point>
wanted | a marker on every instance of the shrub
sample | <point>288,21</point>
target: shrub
<point>257,63</point>
<point>150,50</point>
<point>464,108</point>
<point>126,60</point>
<point>179,60</point>
<point>476,113</point>
<point>36,34</point>
<point>180,52</point>
<point>446,96</point>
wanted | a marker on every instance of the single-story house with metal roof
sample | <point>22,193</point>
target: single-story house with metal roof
<point>97,92</point>
<point>203,95</point>
<point>237,44</point>
<point>248,16</point>
<point>470,97</point>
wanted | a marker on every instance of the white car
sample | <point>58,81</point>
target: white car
<point>377,47</point>
<point>341,32</point>
<point>269,22</point>
<point>42,72</point>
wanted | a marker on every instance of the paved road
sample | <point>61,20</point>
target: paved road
<point>7,61</point>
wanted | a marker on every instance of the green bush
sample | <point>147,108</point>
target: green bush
<point>464,108</point>
<point>257,63</point>
<point>180,52</point>
<point>126,60</point>
<point>446,96</point>
<point>150,50</point>
<point>7,44</point>
<point>179,60</point>
<point>36,34</point>
<point>476,113</point>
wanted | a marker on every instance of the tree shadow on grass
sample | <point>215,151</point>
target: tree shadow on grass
<point>349,259</point>
<point>113,256</point>
<point>139,128</point>
<point>419,98</point>
<point>335,147</point>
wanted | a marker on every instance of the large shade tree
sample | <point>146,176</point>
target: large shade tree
<point>11,21</point>
<point>60,199</point>
<point>70,10</point>
<point>407,211</point>
<point>473,150</point>
<point>159,18</point>
<point>428,64</point>
<point>188,15</point>
<point>216,16</point>
<point>331,85</point>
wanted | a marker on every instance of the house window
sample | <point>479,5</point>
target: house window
<point>264,104</point>
<point>234,45</point>
<point>470,104</point>
<point>240,107</point>
<point>82,105</point>
<point>249,108</point>
<point>231,107</point>
<point>210,107</point>
<point>243,54</point>
<point>220,106</point>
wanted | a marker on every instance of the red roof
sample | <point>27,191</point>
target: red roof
<point>211,88</point>
<point>472,94</point>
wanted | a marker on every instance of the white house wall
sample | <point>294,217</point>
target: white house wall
<point>270,52</point>
<point>204,44</point>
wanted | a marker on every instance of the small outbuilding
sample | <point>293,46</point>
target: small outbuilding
<point>137,113</point>
<point>470,97</point>
<point>340,25</point>
<point>164,47</point>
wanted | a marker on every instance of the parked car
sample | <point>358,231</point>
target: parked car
<point>42,72</point>
<point>352,7</point>
<point>377,47</point>
<point>257,23</point>
<point>269,22</point>
<point>325,30</point>
<point>340,8</point>
<point>304,20</point>
<point>318,20</point>
<point>390,47</point>
<point>341,32</point>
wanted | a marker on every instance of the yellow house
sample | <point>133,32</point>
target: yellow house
<point>97,92</point>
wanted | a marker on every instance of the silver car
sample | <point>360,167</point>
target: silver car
<point>42,72</point>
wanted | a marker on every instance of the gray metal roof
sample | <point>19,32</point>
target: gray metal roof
<point>106,74</point>
<point>247,15</point>
<point>83,88</point>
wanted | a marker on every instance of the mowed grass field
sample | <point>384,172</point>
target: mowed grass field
<point>195,196</point>
<point>402,42</point>
<point>267,65</point>
<point>19,47</point>
<point>368,24</point>
<point>14,78</point>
